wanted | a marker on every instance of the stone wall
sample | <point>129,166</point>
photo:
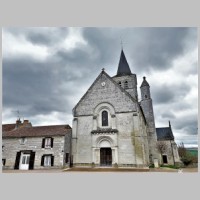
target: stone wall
<point>129,144</point>
<point>61,146</point>
<point>171,153</point>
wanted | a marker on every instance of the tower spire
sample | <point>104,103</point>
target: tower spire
<point>123,67</point>
<point>121,43</point>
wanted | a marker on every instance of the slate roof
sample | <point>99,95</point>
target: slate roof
<point>123,67</point>
<point>164,133</point>
<point>38,131</point>
<point>144,82</point>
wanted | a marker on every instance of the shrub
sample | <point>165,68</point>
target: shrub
<point>151,166</point>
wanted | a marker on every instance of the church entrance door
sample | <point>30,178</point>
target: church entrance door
<point>105,156</point>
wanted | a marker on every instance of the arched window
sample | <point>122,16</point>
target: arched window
<point>120,83</point>
<point>126,84</point>
<point>104,118</point>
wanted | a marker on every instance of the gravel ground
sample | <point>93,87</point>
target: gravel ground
<point>184,170</point>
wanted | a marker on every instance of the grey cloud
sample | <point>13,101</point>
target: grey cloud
<point>169,93</point>
<point>168,115</point>
<point>48,37</point>
<point>34,84</point>
<point>41,87</point>
<point>187,124</point>
<point>40,36</point>
<point>146,48</point>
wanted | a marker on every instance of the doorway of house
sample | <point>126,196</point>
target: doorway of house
<point>24,162</point>
<point>105,156</point>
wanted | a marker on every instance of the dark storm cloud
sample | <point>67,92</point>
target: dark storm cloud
<point>48,37</point>
<point>169,93</point>
<point>188,124</point>
<point>146,49</point>
<point>34,84</point>
<point>58,82</point>
<point>168,115</point>
<point>40,36</point>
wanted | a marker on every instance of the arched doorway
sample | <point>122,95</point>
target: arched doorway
<point>105,156</point>
<point>105,153</point>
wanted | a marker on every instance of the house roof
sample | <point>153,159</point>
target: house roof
<point>38,131</point>
<point>123,67</point>
<point>8,127</point>
<point>164,133</point>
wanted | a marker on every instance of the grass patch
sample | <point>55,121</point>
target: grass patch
<point>170,166</point>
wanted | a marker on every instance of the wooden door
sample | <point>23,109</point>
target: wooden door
<point>105,156</point>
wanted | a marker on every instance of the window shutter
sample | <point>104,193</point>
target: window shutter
<point>52,160</point>
<point>4,162</point>
<point>17,160</point>
<point>43,142</point>
<point>67,158</point>
<point>42,161</point>
<point>32,160</point>
<point>51,142</point>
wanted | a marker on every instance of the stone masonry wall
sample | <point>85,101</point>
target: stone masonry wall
<point>124,108</point>
<point>12,146</point>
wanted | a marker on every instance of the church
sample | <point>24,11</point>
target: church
<point>112,128</point>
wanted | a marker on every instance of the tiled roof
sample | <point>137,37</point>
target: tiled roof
<point>164,133</point>
<point>8,127</point>
<point>38,131</point>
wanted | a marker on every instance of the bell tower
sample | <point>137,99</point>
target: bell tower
<point>147,107</point>
<point>125,78</point>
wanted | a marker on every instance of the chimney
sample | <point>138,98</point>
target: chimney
<point>18,123</point>
<point>26,123</point>
<point>169,124</point>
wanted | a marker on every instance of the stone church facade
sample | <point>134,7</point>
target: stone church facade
<point>111,127</point>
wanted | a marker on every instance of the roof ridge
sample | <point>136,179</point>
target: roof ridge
<point>50,125</point>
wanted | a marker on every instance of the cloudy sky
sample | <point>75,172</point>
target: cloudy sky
<point>47,70</point>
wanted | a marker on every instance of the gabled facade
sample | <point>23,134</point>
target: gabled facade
<point>26,147</point>
<point>170,156</point>
<point>110,126</point>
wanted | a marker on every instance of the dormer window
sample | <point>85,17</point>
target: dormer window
<point>120,83</point>
<point>126,84</point>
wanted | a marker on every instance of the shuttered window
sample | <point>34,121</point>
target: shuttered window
<point>47,142</point>
<point>67,158</point>
<point>47,160</point>
<point>3,162</point>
